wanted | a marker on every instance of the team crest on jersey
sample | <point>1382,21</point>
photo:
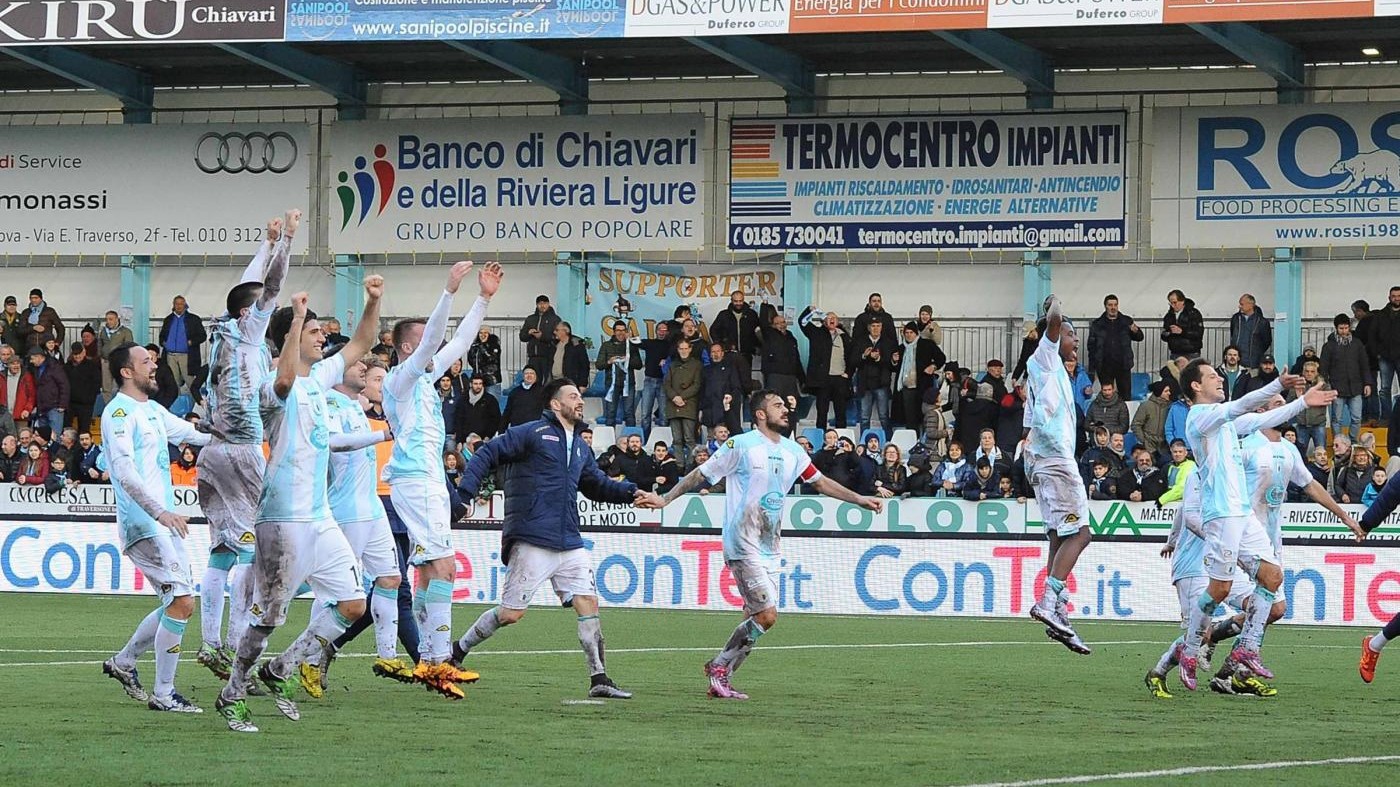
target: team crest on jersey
<point>247,538</point>
<point>165,588</point>
<point>419,550</point>
<point>120,413</point>
<point>256,610</point>
<point>728,443</point>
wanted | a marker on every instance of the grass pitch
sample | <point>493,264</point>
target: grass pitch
<point>836,700</point>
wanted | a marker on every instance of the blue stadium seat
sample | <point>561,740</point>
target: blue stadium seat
<point>815,436</point>
<point>1140,382</point>
<point>1129,443</point>
<point>633,430</point>
<point>878,434</point>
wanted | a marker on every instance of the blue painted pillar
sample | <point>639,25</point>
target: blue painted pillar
<point>799,291</point>
<point>1036,283</point>
<point>136,296</point>
<point>1288,306</point>
<point>570,278</point>
<point>349,291</point>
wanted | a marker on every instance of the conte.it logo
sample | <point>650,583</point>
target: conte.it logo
<point>370,191</point>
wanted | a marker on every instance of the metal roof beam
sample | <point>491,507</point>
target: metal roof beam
<point>792,72</point>
<point>344,82</point>
<point>1027,64</point>
<point>132,87</point>
<point>1279,59</point>
<point>557,73</point>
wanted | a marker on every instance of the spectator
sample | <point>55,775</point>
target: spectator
<point>42,321</point>
<point>458,377</point>
<point>1309,354</point>
<point>1253,381</point>
<point>828,357</point>
<point>1171,372</point>
<point>1150,422</point>
<point>1320,468</point>
<point>806,444</point>
<point>1183,327</point>
<point>1142,482</point>
<point>10,458</point>
<point>837,459</point>
<point>633,464</point>
<point>1177,472</point>
<point>1289,432</point>
<point>1082,386</point>
<point>736,329</point>
<point>609,461</point>
<point>1363,331</point>
<point>67,447</point>
<point>1385,334</point>
<point>1176,421</point>
<point>721,393</point>
<point>953,474</point>
<point>1341,457</point>
<point>929,327</point>
<point>568,355</point>
<point>331,330</point>
<point>618,360</point>
<point>88,454</point>
<point>183,471</point>
<point>1345,368</point>
<point>935,432</point>
<point>111,335</point>
<point>1108,410</point>
<point>14,329</point>
<point>50,390</point>
<point>54,352</point>
<point>690,334</point>
<point>975,415</point>
<point>1351,482</point>
<point>18,392</point>
<point>34,468</point>
<point>871,367</point>
<point>449,400</point>
<point>984,483</point>
<point>919,482</point>
<point>1102,449</point>
<point>1312,423</point>
<point>84,375</point>
<point>650,402</point>
<point>452,465</point>
<point>892,477</point>
<point>1020,479</point>
<point>478,413</point>
<point>987,446</point>
<point>700,457</point>
<point>537,333</point>
<point>484,358</point>
<point>874,312</point>
<point>1373,490</point>
<point>180,336</point>
<point>681,385</point>
<point>1006,490</point>
<point>385,349</point>
<point>674,325</point>
<point>1009,420</point>
<point>1030,339</point>
<point>916,362</point>
<point>57,479</point>
<point>1251,331</point>
<point>995,376</point>
<point>781,362</point>
<point>1233,372</point>
<point>167,390</point>
<point>666,468</point>
<point>527,401</point>
<point>1111,337</point>
<point>1101,486</point>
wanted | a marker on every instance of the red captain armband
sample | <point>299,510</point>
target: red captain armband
<point>810,474</point>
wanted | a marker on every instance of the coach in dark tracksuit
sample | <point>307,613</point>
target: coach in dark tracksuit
<point>545,465</point>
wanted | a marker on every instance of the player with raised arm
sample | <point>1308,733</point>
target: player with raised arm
<point>298,538</point>
<point>360,513</point>
<point>547,464</point>
<point>136,438</point>
<point>1234,535</point>
<point>231,468</point>
<point>1050,422</point>
<point>759,468</point>
<point>417,482</point>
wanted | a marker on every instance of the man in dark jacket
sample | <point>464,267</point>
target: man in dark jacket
<point>527,401</point>
<point>651,403</point>
<point>50,389</point>
<point>1109,409</point>
<point>84,374</point>
<point>1344,367</point>
<point>871,367</point>
<point>40,321</point>
<point>874,312</point>
<point>181,334</point>
<point>167,391</point>
<point>618,359</point>
<point>721,390</point>
<point>478,412</point>
<point>828,363</point>
<point>781,360</point>
<point>1142,482</point>
<point>14,329</point>
<point>976,413</point>
<point>1111,338</point>
<point>538,333</point>
<point>484,357</point>
<point>737,329</point>
<point>568,357</point>
<point>634,465</point>
<point>546,465</point>
<point>916,362</point>
<point>1385,335</point>
<point>1251,331</point>
<point>1361,310</point>
<point>1183,327</point>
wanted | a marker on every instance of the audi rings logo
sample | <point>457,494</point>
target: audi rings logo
<point>254,152</point>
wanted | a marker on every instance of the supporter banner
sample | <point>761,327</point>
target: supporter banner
<point>1181,11</point>
<point>1016,181</point>
<point>92,190</point>
<point>518,184</point>
<point>1304,175</point>
<point>644,295</point>
<point>983,578</point>
<point>407,20</point>
<point>28,22</point>
<point>851,16</point>
<point>706,17</point>
<point>1076,13</point>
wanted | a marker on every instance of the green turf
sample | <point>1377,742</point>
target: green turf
<point>1005,705</point>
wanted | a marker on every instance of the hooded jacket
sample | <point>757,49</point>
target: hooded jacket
<point>1193,330</point>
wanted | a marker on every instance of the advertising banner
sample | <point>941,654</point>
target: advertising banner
<point>1076,13</point>
<point>1305,175</point>
<point>29,22</point>
<point>643,295</point>
<point>1015,181</point>
<point>157,189</point>
<point>1185,11</point>
<point>852,16</point>
<point>706,17</point>
<point>518,184</point>
<point>467,20</point>
<point>983,578</point>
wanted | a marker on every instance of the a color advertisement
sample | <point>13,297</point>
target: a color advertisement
<point>465,20</point>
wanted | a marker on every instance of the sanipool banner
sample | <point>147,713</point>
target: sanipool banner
<point>466,20</point>
<point>1270,176</point>
<point>1032,181</point>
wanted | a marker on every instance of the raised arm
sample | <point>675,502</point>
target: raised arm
<point>354,441</point>
<point>489,280</point>
<point>289,364</point>
<point>367,331</point>
<point>179,431</point>
<point>1252,422</point>
<point>1054,318</point>
<point>256,266</point>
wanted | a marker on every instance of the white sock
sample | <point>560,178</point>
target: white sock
<point>590,636</point>
<point>481,630</point>
<point>1199,622</point>
<point>1252,637</point>
<point>437,604</point>
<point>1378,641</point>
<point>141,640</point>
<point>167,643</point>
<point>240,602</point>
<point>324,628</point>
<point>250,649</point>
<point>384,606</point>
<point>1168,659</point>
<point>211,605</point>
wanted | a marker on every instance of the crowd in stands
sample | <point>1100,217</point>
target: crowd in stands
<point>874,373</point>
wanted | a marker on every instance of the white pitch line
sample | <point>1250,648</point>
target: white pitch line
<point>1191,771</point>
